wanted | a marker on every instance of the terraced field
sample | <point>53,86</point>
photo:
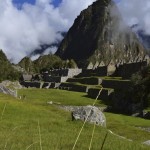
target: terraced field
<point>32,124</point>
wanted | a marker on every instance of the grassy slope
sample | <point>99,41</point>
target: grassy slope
<point>19,124</point>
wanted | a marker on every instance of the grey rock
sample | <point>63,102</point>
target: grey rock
<point>13,85</point>
<point>91,113</point>
<point>147,142</point>
<point>5,90</point>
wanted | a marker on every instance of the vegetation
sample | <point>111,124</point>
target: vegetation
<point>32,124</point>
<point>27,64</point>
<point>141,86</point>
<point>7,72</point>
<point>46,62</point>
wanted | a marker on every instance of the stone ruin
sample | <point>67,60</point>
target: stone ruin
<point>119,68</point>
<point>51,78</point>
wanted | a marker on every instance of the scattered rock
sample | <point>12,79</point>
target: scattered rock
<point>12,85</point>
<point>55,103</point>
<point>93,113</point>
<point>146,142</point>
<point>5,90</point>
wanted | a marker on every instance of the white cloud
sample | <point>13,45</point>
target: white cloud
<point>136,12</point>
<point>22,31</point>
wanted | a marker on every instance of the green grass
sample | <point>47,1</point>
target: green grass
<point>19,124</point>
<point>42,96</point>
<point>128,126</point>
<point>80,84</point>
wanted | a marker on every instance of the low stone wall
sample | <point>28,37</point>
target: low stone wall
<point>116,84</point>
<point>55,79</point>
<point>74,87</point>
<point>106,94</point>
<point>89,81</point>
<point>40,84</point>
<point>101,71</point>
<point>126,70</point>
<point>74,72</point>
<point>31,84</point>
<point>86,73</point>
<point>122,102</point>
<point>65,72</point>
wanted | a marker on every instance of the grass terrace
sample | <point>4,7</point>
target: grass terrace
<point>32,124</point>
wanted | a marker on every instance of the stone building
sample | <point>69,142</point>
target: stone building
<point>26,77</point>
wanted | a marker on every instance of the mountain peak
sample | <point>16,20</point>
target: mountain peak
<point>99,33</point>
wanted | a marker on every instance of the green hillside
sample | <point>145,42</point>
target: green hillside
<point>32,124</point>
<point>7,72</point>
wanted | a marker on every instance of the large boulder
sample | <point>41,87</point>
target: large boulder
<point>93,113</point>
<point>5,90</point>
<point>147,142</point>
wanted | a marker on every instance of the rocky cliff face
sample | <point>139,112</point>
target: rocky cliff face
<point>99,33</point>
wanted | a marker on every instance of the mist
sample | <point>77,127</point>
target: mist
<point>24,30</point>
<point>136,12</point>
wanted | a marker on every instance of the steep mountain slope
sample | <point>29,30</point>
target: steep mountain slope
<point>7,72</point>
<point>99,33</point>
<point>27,64</point>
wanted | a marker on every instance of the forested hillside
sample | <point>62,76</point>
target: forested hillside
<point>7,72</point>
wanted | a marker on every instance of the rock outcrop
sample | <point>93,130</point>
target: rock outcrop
<point>99,33</point>
<point>147,142</point>
<point>5,90</point>
<point>91,113</point>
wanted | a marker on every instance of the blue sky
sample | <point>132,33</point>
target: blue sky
<point>25,30</point>
<point>55,2</point>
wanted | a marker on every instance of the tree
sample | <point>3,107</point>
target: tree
<point>72,64</point>
<point>27,64</point>
<point>141,88</point>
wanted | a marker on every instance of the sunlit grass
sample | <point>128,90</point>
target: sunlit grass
<point>19,126</point>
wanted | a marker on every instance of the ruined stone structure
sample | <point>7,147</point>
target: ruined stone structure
<point>126,70</point>
<point>55,78</point>
<point>65,72</point>
<point>122,68</point>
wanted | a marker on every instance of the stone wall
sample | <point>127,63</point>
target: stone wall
<point>58,79</point>
<point>88,81</point>
<point>122,102</point>
<point>74,72</point>
<point>65,72</point>
<point>31,84</point>
<point>74,87</point>
<point>101,71</point>
<point>116,84</point>
<point>40,84</point>
<point>106,94</point>
<point>126,70</point>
